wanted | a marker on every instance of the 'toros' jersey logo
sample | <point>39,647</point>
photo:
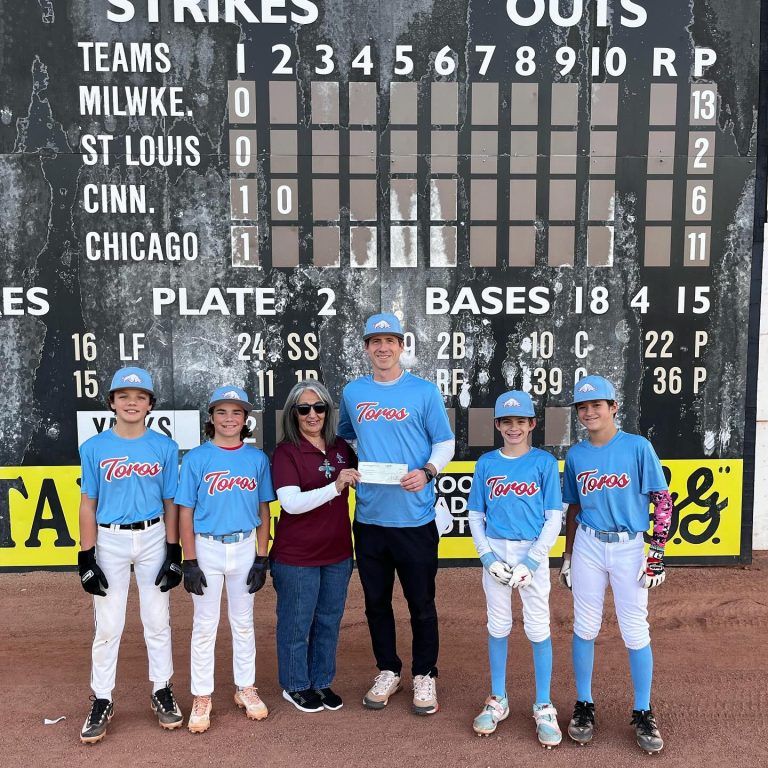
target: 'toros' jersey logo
<point>120,468</point>
<point>589,481</point>
<point>497,488</point>
<point>220,482</point>
<point>369,412</point>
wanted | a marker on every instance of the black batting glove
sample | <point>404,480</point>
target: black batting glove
<point>171,568</point>
<point>258,574</point>
<point>91,576</point>
<point>194,578</point>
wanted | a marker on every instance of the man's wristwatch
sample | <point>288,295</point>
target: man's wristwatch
<point>428,472</point>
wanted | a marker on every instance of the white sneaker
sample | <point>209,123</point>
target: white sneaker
<point>385,684</point>
<point>425,695</point>
<point>200,716</point>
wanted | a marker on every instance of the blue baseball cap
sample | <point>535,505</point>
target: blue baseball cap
<point>229,393</point>
<point>513,403</point>
<point>382,323</point>
<point>132,378</point>
<point>593,388</point>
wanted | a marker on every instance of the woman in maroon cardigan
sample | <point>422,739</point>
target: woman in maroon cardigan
<point>311,556</point>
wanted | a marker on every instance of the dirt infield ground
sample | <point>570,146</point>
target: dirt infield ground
<point>709,628</point>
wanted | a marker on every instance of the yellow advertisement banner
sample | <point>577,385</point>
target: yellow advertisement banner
<point>39,512</point>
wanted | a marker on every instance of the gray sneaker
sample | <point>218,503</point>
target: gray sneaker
<point>167,710</point>
<point>646,730</point>
<point>582,723</point>
<point>425,695</point>
<point>95,725</point>
<point>385,685</point>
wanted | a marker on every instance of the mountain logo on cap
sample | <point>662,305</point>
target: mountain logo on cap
<point>511,403</point>
<point>587,388</point>
<point>231,395</point>
<point>132,378</point>
<point>381,324</point>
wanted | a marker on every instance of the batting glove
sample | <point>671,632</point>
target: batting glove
<point>521,576</point>
<point>194,578</point>
<point>171,568</point>
<point>258,574</point>
<point>565,571</point>
<point>91,576</point>
<point>652,572</point>
<point>500,572</point>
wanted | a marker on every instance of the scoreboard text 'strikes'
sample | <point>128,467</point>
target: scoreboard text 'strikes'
<point>129,517</point>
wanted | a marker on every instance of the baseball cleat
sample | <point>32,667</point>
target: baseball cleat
<point>547,729</point>
<point>200,716</point>
<point>647,731</point>
<point>494,711</point>
<point>582,724</point>
<point>164,705</point>
<point>95,726</point>
<point>248,699</point>
<point>425,695</point>
<point>385,684</point>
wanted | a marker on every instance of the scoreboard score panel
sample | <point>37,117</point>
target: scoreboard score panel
<point>518,151</point>
<point>539,190</point>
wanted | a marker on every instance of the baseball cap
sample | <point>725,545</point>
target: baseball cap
<point>382,323</point>
<point>513,403</point>
<point>229,393</point>
<point>132,378</point>
<point>593,388</point>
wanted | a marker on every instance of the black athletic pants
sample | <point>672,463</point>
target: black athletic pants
<point>412,554</point>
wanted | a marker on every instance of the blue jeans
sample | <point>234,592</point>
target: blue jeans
<point>310,604</point>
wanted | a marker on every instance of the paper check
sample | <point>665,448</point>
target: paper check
<point>381,473</point>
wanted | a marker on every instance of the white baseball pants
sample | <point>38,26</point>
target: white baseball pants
<point>223,563</point>
<point>594,565</point>
<point>534,597</point>
<point>115,551</point>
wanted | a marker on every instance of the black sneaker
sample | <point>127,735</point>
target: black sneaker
<point>167,710</point>
<point>95,725</point>
<point>306,701</point>
<point>329,699</point>
<point>582,723</point>
<point>646,731</point>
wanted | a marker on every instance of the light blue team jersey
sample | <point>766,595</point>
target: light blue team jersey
<point>129,477</point>
<point>514,493</point>
<point>611,482</point>
<point>225,487</point>
<point>394,423</point>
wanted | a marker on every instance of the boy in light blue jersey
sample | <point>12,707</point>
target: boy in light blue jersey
<point>128,518</point>
<point>223,497</point>
<point>610,480</point>
<point>399,418</point>
<point>515,515</point>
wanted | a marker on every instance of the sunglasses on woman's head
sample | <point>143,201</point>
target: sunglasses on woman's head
<point>303,409</point>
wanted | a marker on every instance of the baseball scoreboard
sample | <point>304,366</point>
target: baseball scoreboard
<point>221,191</point>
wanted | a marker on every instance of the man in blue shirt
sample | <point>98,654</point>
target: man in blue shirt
<point>398,418</point>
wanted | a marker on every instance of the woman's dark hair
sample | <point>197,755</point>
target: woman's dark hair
<point>290,421</point>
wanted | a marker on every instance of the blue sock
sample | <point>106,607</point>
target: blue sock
<point>583,661</point>
<point>497,653</point>
<point>641,667</point>
<point>542,668</point>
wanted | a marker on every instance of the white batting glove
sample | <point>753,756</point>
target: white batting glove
<point>565,571</point>
<point>652,572</point>
<point>500,572</point>
<point>521,576</point>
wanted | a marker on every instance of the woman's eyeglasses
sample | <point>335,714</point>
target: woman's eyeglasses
<point>303,409</point>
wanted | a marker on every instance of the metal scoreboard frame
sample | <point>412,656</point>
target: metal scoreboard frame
<point>539,190</point>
